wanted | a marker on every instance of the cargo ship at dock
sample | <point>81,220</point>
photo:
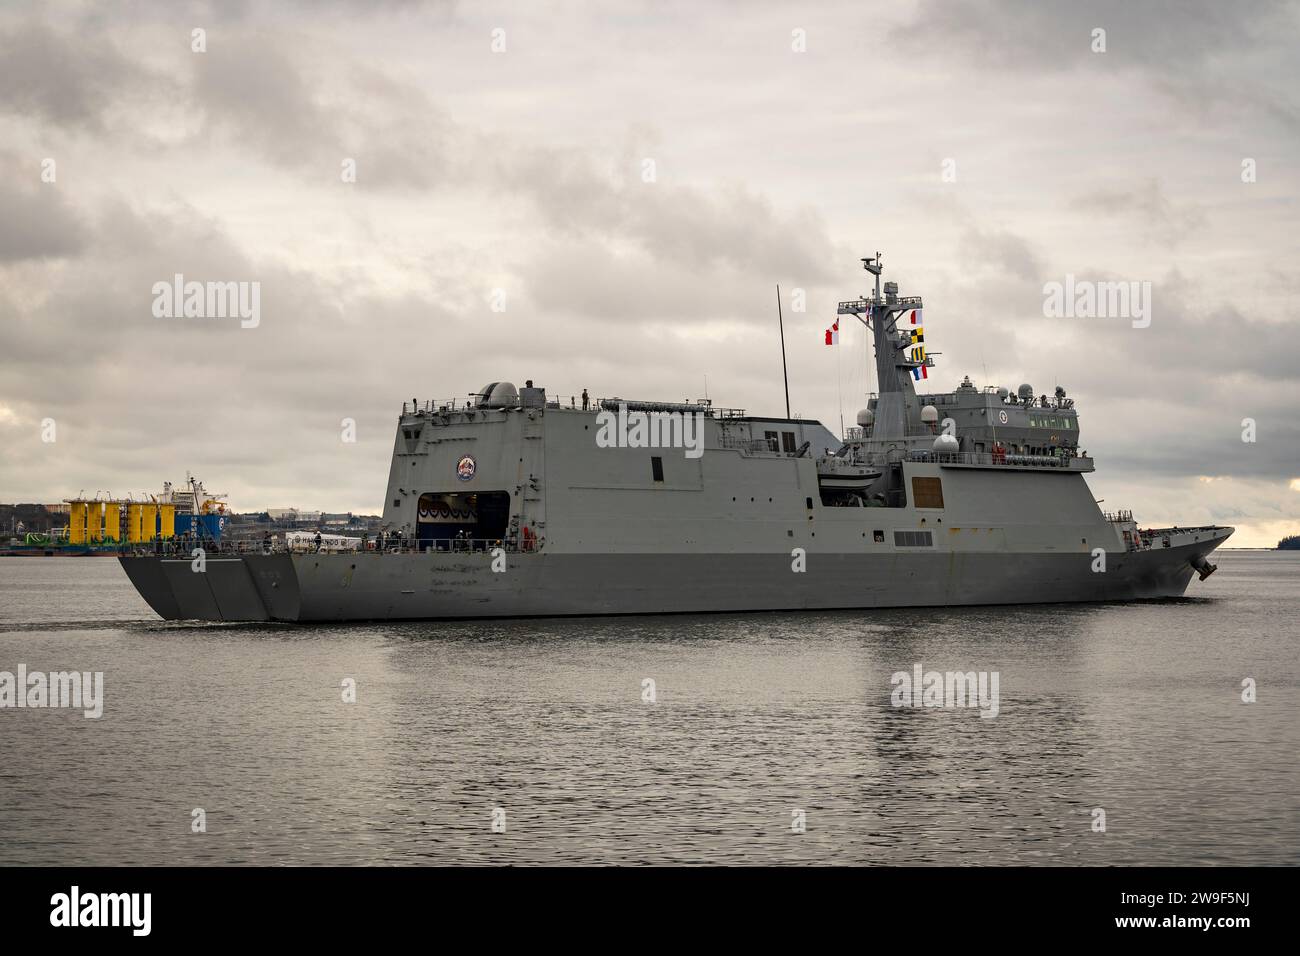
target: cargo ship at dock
<point>514,503</point>
<point>104,525</point>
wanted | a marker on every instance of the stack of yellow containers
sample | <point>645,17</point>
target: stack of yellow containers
<point>91,522</point>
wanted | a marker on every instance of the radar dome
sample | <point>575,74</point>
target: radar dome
<point>866,418</point>
<point>1003,392</point>
<point>947,445</point>
<point>1025,391</point>
<point>498,395</point>
<point>929,414</point>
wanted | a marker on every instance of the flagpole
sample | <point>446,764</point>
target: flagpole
<point>785,375</point>
<point>839,390</point>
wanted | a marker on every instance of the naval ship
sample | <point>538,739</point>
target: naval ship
<point>512,503</point>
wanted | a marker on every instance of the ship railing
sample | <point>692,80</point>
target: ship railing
<point>1117,517</point>
<point>391,545</point>
<point>1145,539</point>
<point>1002,460</point>
<point>749,446</point>
<point>574,403</point>
<point>704,406</point>
<point>433,405</point>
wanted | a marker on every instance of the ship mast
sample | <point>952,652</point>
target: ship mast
<point>896,402</point>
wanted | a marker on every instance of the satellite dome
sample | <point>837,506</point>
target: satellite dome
<point>498,395</point>
<point>929,414</point>
<point>1025,391</point>
<point>947,445</point>
<point>1003,392</point>
<point>866,418</point>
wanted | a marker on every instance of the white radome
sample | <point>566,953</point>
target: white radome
<point>946,445</point>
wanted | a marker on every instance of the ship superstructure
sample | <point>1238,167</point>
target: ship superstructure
<point>513,503</point>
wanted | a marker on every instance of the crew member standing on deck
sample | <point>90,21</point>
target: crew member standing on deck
<point>584,399</point>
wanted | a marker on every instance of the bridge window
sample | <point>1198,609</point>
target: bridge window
<point>787,442</point>
<point>657,468</point>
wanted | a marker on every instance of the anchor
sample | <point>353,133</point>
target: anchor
<point>1203,567</point>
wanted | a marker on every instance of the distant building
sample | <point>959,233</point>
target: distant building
<point>36,518</point>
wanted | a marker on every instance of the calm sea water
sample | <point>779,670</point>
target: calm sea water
<point>1135,709</point>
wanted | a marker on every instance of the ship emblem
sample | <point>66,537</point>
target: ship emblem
<point>1002,417</point>
<point>465,468</point>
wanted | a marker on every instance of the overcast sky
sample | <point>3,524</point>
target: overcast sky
<point>524,170</point>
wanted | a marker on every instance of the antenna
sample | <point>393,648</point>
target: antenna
<point>785,375</point>
<point>875,267</point>
<point>993,419</point>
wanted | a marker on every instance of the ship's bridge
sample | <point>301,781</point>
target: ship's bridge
<point>984,419</point>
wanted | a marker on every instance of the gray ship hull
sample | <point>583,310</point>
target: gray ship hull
<point>411,586</point>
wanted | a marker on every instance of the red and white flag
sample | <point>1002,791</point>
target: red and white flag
<point>915,317</point>
<point>833,334</point>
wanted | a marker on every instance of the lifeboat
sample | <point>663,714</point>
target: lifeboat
<point>841,474</point>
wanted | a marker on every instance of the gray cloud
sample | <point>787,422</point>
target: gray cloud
<point>1162,219</point>
<point>60,78</point>
<point>1209,57</point>
<point>39,223</point>
<point>1001,250</point>
<point>1166,37</point>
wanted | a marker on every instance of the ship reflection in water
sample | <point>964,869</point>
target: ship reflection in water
<point>1131,708</point>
